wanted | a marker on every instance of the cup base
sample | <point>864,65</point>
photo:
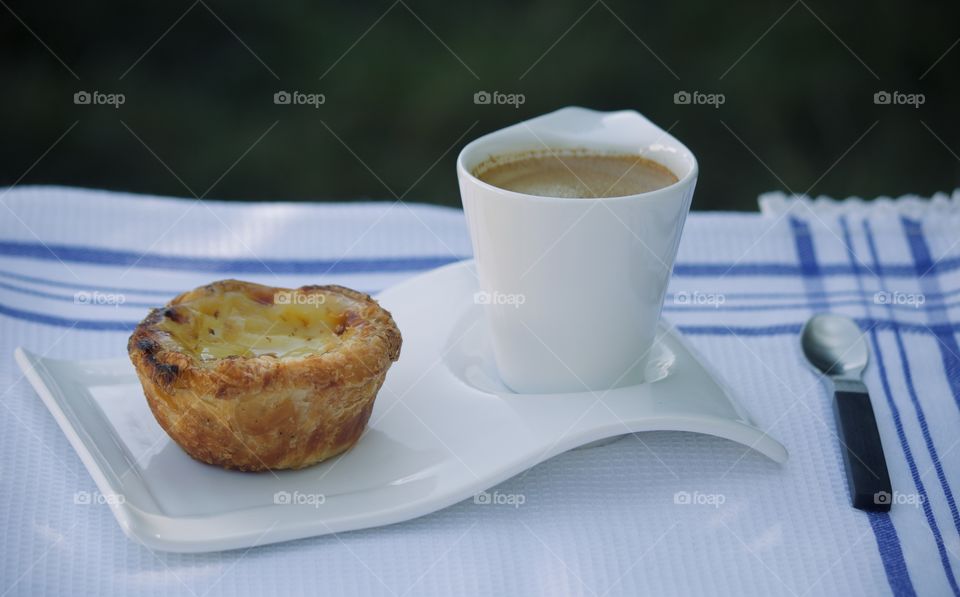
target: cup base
<point>469,356</point>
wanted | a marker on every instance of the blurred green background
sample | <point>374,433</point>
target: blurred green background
<point>399,78</point>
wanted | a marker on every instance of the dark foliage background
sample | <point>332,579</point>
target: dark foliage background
<point>399,78</point>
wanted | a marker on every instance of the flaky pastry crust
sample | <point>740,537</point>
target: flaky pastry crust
<point>215,384</point>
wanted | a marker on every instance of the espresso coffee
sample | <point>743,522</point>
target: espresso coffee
<point>575,174</point>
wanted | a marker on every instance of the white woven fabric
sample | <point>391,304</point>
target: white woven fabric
<point>597,521</point>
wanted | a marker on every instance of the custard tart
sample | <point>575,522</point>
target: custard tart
<point>252,377</point>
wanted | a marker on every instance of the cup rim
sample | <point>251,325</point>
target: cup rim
<point>671,141</point>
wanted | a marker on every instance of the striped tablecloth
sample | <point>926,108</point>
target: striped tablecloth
<point>78,268</point>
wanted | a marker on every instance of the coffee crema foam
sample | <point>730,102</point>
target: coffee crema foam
<point>575,174</point>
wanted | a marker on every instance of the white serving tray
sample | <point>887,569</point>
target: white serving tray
<point>443,429</point>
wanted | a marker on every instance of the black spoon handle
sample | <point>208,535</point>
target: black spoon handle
<point>867,474</point>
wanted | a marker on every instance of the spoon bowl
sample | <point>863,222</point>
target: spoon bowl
<point>835,346</point>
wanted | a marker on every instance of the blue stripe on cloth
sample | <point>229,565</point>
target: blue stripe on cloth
<point>97,256</point>
<point>809,268</point>
<point>824,295</point>
<point>80,286</point>
<point>922,260</point>
<point>80,324</point>
<point>905,270</point>
<point>895,412</point>
<point>822,305</point>
<point>808,258</point>
<point>911,387</point>
<point>925,268</point>
<point>888,542</point>
<point>794,328</point>
<point>918,247</point>
<point>928,513</point>
<point>894,565</point>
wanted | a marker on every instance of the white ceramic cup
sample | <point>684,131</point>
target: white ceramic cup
<point>573,288</point>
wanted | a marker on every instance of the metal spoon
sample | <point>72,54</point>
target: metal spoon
<point>835,346</point>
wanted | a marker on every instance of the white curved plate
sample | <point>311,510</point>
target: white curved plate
<point>443,429</point>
